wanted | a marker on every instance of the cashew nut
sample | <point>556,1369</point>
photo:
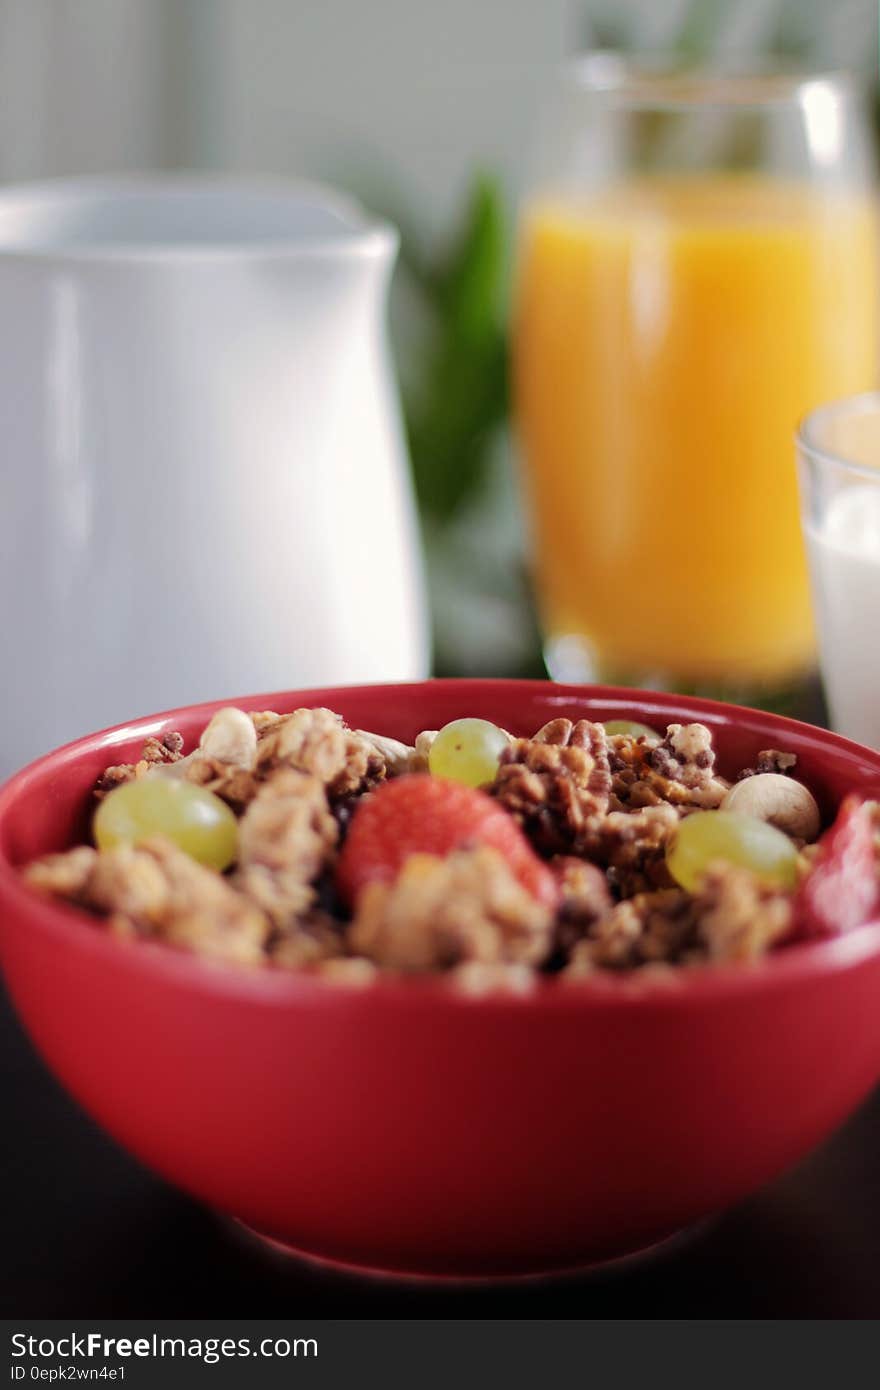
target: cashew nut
<point>424,740</point>
<point>780,800</point>
<point>230,737</point>
<point>398,756</point>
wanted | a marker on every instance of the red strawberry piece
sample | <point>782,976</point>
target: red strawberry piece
<point>421,814</point>
<point>842,890</point>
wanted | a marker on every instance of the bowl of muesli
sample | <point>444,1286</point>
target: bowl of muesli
<point>470,978</point>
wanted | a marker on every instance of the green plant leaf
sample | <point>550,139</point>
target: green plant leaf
<point>462,395</point>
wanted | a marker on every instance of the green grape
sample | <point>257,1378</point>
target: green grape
<point>631,727</point>
<point>467,750</point>
<point>708,836</point>
<point>196,820</point>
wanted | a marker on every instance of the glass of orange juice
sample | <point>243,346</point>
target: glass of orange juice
<point>697,267</point>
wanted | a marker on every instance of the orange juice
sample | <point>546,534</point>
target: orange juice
<point>669,335</point>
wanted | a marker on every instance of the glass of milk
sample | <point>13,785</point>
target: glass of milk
<point>839,470</point>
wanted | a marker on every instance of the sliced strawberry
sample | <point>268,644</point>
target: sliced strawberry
<point>842,890</point>
<point>421,814</point>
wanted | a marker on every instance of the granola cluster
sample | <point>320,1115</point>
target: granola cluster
<point>444,912</point>
<point>734,917</point>
<point>557,783</point>
<point>167,749</point>
<point>600,810</point>
<point>678,770</point>
<point>156,891</point>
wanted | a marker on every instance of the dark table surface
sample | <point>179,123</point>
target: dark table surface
<point>86,1232</point>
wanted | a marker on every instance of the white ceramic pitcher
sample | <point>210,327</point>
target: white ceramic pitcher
<point>203,487</point>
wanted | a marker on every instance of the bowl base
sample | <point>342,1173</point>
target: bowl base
<point>328,1263</point>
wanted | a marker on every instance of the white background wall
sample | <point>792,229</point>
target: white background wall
<point>409,93</point>
<point>80,84</point>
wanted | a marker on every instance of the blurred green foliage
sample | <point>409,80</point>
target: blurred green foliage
<point>453,355</point>
<point>460,396</point>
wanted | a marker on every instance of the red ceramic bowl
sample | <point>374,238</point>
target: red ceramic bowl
<point>406,1128</point>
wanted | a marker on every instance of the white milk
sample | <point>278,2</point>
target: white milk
<point>844,555</point>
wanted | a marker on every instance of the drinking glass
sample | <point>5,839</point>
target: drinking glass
<point>839,469</point>
<point>697,268</point>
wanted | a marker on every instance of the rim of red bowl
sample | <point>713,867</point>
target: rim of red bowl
<point>275,986</point>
